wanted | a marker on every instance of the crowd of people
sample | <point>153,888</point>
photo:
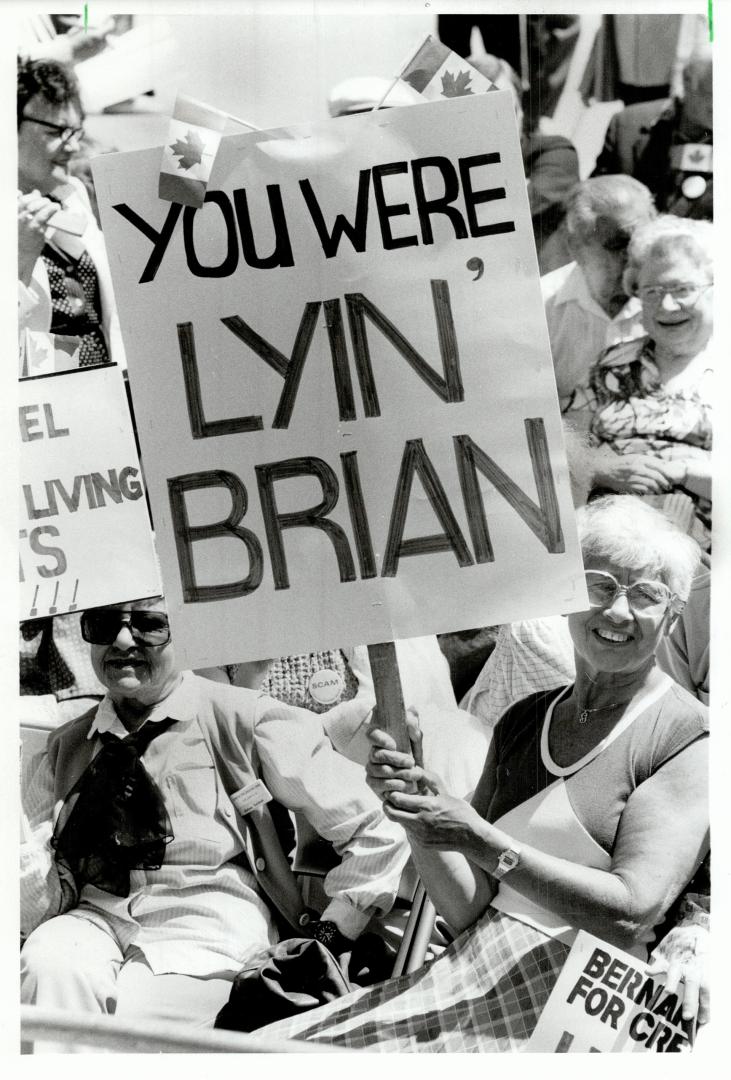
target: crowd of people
<point>557,774</point>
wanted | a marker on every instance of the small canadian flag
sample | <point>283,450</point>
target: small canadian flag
<point>189,151</point>
<point>47,354</point>
<point>435,72</point>
<point>692,157</point>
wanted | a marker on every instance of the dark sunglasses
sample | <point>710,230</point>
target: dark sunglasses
<point>63,131</point>
<point>101,626</point>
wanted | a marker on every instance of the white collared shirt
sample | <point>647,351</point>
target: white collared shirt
<point>201,914</point>
<point>579,330</point>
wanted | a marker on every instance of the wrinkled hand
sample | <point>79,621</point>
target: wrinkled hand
<point>639,474</point>
<point>389,769</point>
<point>682,954</point>
<point>34,214</point>
<point>437,820</point>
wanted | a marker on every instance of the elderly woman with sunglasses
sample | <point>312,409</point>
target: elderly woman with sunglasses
<point>591,814</point>
<point>151,870</point>
<point>64,285</point>
<point>653,395</point>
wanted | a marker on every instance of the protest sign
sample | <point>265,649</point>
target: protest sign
<point>85,536</point>
<point>604,1002</point>
<point>343,385</point>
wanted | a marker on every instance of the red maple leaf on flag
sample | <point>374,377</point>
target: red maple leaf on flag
<point>456,87</point>
<point>190,150</point>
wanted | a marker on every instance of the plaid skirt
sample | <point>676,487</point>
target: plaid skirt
<point>484,994</point>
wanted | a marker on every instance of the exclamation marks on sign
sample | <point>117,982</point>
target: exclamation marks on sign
<point>72,605</point>
<point>53,609</point>
<point>34,609</point>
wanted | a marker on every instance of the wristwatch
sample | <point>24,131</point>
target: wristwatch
<point>507,860</point>
<point>327,933</point>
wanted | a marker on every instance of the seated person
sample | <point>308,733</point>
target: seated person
<point>64,284</point>
<point>551,166</point>
<point>668,145</point>
<point>54,659</point>
<point>537,654</point>
<point>150,865</point>
<point>337,684</point>
<point>587,309</point>
<point>652,396</point>
<point>591,814</point>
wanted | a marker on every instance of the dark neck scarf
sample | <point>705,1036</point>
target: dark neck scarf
<point>118,821</point>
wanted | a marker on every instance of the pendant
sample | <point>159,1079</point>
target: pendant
<point>583,716</point>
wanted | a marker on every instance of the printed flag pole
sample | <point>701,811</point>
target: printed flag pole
<point>406,64</point>
<point>227,116</point>
<point>244,123</point>
<point>523,31</point>
<point>190,150</point>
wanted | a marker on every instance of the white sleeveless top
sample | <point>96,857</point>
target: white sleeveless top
<point>547,821</point>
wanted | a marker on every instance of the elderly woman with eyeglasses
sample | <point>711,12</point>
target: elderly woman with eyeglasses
<point>64,286</point>
<point>653,395</point>
<point>591,814</point>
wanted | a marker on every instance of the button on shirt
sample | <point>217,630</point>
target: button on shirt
<point>579,330</point>
<point>201,914</point>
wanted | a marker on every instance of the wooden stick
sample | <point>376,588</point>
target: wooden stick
<point>389,695</point>
<point>244,123</point>
<point>402,69</point>
<point>422,937</point>
<point>221,112</point>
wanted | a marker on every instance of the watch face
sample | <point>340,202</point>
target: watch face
<point>508,860</point>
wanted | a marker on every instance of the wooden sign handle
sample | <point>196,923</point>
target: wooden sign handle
<point>389,695</point>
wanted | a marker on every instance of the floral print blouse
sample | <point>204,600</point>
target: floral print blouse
<point>636,414</point>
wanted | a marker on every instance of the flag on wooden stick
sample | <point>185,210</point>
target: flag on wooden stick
<point>436,72</point>
<point>189,151</point>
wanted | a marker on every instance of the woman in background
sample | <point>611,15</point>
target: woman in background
<point>64,286</point>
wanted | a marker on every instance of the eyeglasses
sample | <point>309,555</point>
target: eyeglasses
<point>101,626</point>
<point>648,597</point>
<point>63,132</point>
<point>686,296</point>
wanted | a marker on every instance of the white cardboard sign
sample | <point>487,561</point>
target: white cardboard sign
<point>605,1002</point>
<point>85,536</point>
<point>343,384</point>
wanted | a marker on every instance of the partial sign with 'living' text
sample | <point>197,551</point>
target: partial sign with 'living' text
<point>85,536</point>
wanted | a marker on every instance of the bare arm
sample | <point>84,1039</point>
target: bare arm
<point>661,839</point>
<point>459,889</point>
